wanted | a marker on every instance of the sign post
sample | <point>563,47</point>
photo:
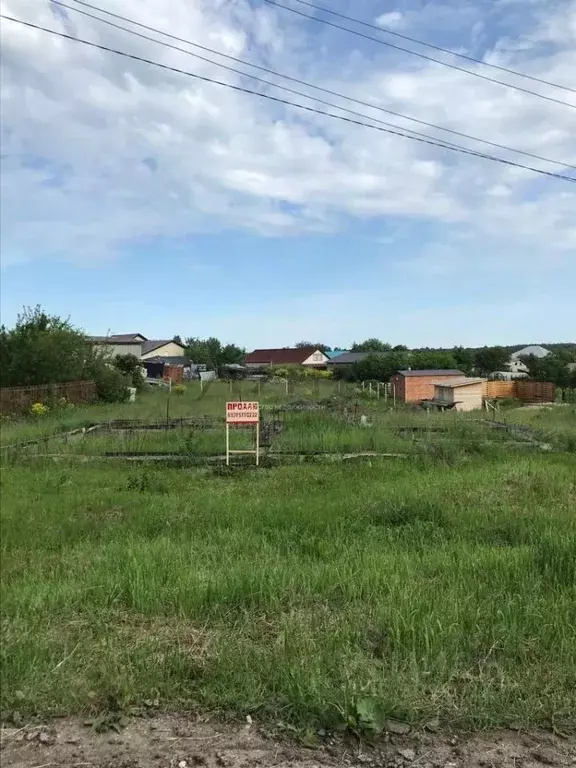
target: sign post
<point>241,413</point>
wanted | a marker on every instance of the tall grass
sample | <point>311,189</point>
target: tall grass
<point>295,592</point>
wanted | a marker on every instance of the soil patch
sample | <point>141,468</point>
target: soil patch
<point>175,741</point>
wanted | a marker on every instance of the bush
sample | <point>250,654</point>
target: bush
<point>179,389</point>
<point>39,409</point>
<point>111,385</point>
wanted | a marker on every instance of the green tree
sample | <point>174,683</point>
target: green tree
<point>370,345</point>
<point>43,349</point>
<point>131,367</point>
<point>316,345</point>
<point>550,368</point>
<point>380,367</point>
<point>490,359</point>
<point>464,359</point>
<point>211,353</point>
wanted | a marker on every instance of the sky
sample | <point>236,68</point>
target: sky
<point>137,199</point>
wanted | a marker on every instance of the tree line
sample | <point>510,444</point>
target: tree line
<point>45,349</point>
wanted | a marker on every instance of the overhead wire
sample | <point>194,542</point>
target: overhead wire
<point>276,99</point>
<point>299,81</point>
<point>420,55</point>
<point>386,30</point>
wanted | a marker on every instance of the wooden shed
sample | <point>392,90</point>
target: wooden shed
<point>463,394</point>
<point>414,386</point>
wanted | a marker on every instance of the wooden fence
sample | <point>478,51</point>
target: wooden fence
<point>521,389</point>
<point>535,391</point>
<point>14,399</point>
<point>498,389</point>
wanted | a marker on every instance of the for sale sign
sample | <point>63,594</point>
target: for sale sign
<point>242,413</point>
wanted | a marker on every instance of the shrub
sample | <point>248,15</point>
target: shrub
<point>39,409</point>
<point>179,389</point>
<point>111,385</point>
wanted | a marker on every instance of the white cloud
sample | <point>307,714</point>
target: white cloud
<point>392,20</point>
<point>102,151</point>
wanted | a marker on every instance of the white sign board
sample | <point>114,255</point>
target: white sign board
<point>242,413</point>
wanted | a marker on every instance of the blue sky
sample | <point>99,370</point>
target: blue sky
<point>135,199</point>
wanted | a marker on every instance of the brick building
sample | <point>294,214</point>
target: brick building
<point>415,386</point>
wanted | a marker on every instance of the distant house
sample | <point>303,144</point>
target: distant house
<point>465,394</point>
<point>348,358</point>
<point>138,345</point>
<point>161,348</point>
<point>120,344</point>
<point>515,365</point>
<point>415,386</point>
<point>310,356</point>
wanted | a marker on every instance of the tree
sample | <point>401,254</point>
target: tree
<point>316,345</point>
<point>464,358</point>
<point>131,367</point>
<point>211,353</point>
<point>370,345</point>
<point>178,339</point>
<point>43,349</point>
<point>550,368</point>
<point>490,359</point>
<point>432,358</point>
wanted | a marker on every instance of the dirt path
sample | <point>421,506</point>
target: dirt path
<point>178,742</point>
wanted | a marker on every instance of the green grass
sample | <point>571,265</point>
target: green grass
<point>303,593</point>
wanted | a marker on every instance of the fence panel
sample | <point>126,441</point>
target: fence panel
<point>536,391</point>
<point>497,389</point>
<point>13,399</point>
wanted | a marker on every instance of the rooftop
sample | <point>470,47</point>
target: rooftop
<point>459,382</point>
<point>433,372</point>
<point>151,344</point>
<point>285,355</point>
<point>349,358</point>
<point>119,338</point>
<point>532,349</point>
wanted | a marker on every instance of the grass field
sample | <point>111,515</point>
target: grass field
<point>313,594</point>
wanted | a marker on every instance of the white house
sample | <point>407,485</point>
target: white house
<point>138,345</point>
<point>517,367</point>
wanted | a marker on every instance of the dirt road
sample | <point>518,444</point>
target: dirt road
<point>179,742</point>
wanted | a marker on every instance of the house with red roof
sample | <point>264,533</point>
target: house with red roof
<point>309,356</point>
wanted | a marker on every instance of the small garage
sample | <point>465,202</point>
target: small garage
<point>459,394</point>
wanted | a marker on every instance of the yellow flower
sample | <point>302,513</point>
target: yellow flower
<point>39,409</point>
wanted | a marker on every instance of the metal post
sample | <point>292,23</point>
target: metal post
<point>227,445</point>
<point>257,443</point>
<point>394,394</point>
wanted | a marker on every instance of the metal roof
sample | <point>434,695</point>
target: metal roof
<point>349,358</point>
<point>119,338</point>
<point>433,372</point>
<point>458,382</point>
<point>279,356</point>
<point>532,349</point>
<point>331,354</point>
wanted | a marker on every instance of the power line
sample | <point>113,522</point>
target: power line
<point>420,55</point>
<point>278,100</point>
<point>389,31</point>
<point>442,142</point>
